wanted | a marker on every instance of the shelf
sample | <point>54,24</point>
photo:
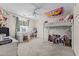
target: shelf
<point>63,24</point>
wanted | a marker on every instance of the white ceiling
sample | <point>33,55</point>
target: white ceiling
<point>27,9</point>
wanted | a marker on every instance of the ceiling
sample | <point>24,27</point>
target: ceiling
<point>29,9</point>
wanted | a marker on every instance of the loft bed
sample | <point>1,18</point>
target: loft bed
<point>61,24</point>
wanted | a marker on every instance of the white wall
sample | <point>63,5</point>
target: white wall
<point>11,23</point>
<point>40,26</point>
<point>76,29</point>
<point>32,23</point>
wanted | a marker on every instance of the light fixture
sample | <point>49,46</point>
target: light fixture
<point>37,8</point>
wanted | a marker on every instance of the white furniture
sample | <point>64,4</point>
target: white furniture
<point>20,37</point>
<point>13,39</point>
<point>2,37</point>
<point>58,25</point>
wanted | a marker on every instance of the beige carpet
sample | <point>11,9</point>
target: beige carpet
<point>39,47</point>
<point>9,49</point>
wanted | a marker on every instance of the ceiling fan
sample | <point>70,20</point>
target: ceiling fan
<point>36,11</point>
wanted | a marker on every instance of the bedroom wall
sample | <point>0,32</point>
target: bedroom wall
<point>40,26</point>
<point>11,22</point>
<point>32,23</point>
<point>76,29</point>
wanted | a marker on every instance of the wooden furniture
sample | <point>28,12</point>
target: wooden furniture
<point>26,38</point>
<point>68,43</point>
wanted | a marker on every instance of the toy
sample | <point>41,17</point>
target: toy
<point>55,12</point>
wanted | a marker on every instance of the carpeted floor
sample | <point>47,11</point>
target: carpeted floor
<point>9,49</point>
<point>38,47</point>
